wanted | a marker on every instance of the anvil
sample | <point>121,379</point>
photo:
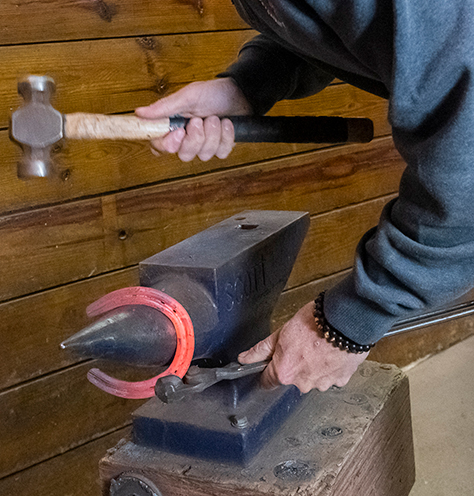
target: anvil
<point>227,280</point>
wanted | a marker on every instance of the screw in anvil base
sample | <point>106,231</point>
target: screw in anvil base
<point>239,422</point>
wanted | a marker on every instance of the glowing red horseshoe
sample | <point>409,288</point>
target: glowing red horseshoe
<point>139,295</point>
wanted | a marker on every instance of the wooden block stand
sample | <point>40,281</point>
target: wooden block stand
<point>353,441</point>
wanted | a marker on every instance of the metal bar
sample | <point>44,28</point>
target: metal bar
<point>434,317</point>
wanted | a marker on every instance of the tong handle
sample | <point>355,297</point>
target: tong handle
<point>171,388</point>
<point>235,370</point>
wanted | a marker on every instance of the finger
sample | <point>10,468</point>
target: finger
<point>269,378</point>
<point>212,133</point>
<point>227,139</point>
<point>193,141</point>
<point>171,143</point>
<point>263,350</point>
<point>341,382</point>
<point>323,384</point>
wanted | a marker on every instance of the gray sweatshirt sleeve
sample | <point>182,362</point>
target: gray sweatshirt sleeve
<point>421,254</point>
<point>266,73</point>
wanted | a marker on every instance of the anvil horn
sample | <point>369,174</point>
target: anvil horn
<point>228,278</point>
<point>135,335</point>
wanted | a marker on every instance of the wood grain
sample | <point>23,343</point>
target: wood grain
<point>74,473</point>
<point>371,453</point>
<point>76,240</point>
<point>80,464</point>
<point>80,125</point>
<point>91,168</point>
<point>53,414</point>
<point>75,236</point>
<point>59,312</point>
<point>406,348</point>
<point>117,75</point>
<point>24,21</point>
<point>32,328</point>
<point>331,241</point>
<point>388,443</point>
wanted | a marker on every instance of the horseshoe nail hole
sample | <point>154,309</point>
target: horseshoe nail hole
<point>65,175</point>
<point>240,218</point>
<point>248,227</point>
<point>122,235</point>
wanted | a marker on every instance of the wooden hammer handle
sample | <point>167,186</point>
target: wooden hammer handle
<point>248,129</point>
<point>116,127</point>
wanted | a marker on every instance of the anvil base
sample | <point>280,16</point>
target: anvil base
<point>229,422</point>
<point>353,441</point>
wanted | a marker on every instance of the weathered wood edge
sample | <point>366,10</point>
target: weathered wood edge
<point>173,474</point>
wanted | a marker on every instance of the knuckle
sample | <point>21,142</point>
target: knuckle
<point>259,347</point>
<point>186,155</point>
<point>264,346</point>
<point>285,376</point>
<point>213,122</point>
<point>165,106</point>
<point>304,388</point>
<point>195,128</point>
<point>324,384</point>
<point>157,145</point>
<point>223,153</point>
<point>341,382</point>
<point>205,156</point>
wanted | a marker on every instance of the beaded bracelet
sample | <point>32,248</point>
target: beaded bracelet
<point>334,336</point>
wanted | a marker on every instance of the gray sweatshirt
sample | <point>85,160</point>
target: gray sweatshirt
<point>420,55</point>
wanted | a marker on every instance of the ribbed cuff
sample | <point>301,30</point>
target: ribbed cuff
<point>262,76</point>
<point>359,319</point>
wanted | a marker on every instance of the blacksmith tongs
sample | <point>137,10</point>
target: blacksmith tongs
<point>171,388</point>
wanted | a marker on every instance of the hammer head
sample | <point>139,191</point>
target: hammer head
<point>36,126</point>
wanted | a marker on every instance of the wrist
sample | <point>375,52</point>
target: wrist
<point>332,335</point>
<point>236,96</point>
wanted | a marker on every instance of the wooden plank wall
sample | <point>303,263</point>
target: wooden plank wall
<point>70,239</point>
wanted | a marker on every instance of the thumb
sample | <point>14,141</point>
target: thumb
<point>263,350</point>
<point>169,106</point>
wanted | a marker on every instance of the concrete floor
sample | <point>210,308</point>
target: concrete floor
<point>442,399</point>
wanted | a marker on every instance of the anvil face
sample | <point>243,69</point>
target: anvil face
<point>234,273</point>
<point>229,277</point>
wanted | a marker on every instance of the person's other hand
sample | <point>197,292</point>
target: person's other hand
<point>302,357</point>
<point>206,135</point>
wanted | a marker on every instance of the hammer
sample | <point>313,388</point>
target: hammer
<point>37,126</point>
